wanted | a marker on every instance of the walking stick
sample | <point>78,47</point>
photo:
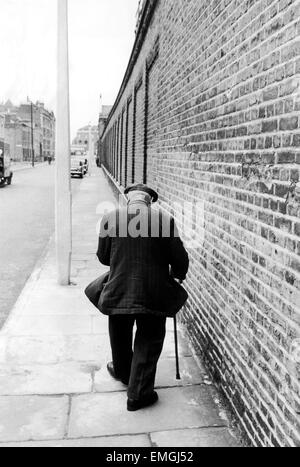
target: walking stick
<point>176,346</point>
<point>176,349</point>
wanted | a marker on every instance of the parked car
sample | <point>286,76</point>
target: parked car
<point>78,168</point>
<point>6,173</point>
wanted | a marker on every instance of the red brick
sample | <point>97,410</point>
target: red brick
<point>297,229</point>
<point>296,140</point>
<point>269,126</point>
<point>286,158</point>
<point>290,123</point>
<point>219,116</point>
<point>270,94</point>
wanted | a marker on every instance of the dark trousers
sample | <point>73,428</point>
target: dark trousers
<point>138,365</point>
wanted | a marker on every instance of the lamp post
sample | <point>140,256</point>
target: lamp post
<point>32,137</point>
<point>63,197</point>
<point>91,147</point>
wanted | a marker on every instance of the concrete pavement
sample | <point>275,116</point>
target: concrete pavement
<point>17,166</point>
<point>27,223</point>
<point>54,387</point>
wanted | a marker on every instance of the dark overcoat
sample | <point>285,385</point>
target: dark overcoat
<point>142,246</point>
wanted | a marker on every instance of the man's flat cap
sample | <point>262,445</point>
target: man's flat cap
<point>142,187</point>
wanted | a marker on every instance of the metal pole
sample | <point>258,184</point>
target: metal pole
<point>91,147</point>
<point>63,197</point>
<point>32,138</point>
<point>178,377</point>
<point>176,349</point>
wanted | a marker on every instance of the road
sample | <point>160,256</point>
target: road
<point>26,224</point>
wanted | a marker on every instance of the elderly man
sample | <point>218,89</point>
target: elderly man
<point>143,249</point>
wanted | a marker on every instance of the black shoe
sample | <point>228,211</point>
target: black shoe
<point>111,371</point>
<point>133,406</point>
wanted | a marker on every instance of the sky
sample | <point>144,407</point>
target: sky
<point>101,37</point>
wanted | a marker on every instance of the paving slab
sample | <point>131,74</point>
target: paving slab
<point>79,250</point>
<point>28,418</point>
<point>100,324</point>
<point>170,326</point>
<point>51,289</point>
<point>139,441</point>
<point>166,376</point>
<point>169,346</point>
<point>202,438</point>
<point>190,372</point>
<point>91,348</point>
<point>103,382</point>
<point>50,300</point>
<point>74,307</point>
<point>3,345</point>
<point>29,350</point>
<point>49,272</point>
<point>90,274</point>
<point>94,263</point>
<point>106,414</point>
<point>82,257</point>
<point>83,282</point>
<point>45,379</point>
<point>52,325</point>
<point>48,293</point>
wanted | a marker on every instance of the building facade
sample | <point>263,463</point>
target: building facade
<point>30,115</point>
<point>102,122</point>
<point>2,126</point>
<point>208,114</point>
<point>29,127</point>
<point>83,135</point>
<point>13,137</point>
<point>103,117</point>
<point>26,142</point>
<point>48,132</point>
<point>7,107</point>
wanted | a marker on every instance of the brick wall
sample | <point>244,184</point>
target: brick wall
<point>212,97</point>
<point>129,178</point>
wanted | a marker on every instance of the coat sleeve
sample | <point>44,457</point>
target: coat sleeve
<point>104,245</point>
<point>179,258</point>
